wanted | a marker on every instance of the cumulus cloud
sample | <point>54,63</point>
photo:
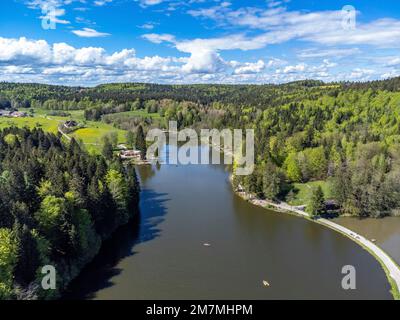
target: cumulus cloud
<point>24,59</point>
<point>21,50</point>
<point>89,33</point>
<point>249,67</point>
<point>204,53</point>
<point>297,68</point>
<point>306,71</point>
<point>204,61</point>
<point>61,62</point>
<point>278,25</point>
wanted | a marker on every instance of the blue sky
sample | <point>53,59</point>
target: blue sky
<point>198,41</point>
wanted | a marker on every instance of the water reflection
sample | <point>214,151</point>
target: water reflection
<point>98,274</point>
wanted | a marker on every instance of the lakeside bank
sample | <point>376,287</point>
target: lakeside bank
<point>391,269</point>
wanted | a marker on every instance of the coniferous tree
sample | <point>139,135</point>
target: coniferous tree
<point>316,204</point>
<point>56,203</point>
<point>141,142</point>
<point>130,139</point>
<point>107,150</point>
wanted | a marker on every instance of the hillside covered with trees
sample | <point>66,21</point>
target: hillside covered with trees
<point>57,204</point>
<point>345,136</point>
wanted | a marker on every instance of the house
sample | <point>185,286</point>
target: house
<point>5,113</point>
<point>122,147</point>
<point>331,205</point>
<point>130,154</point>
<point>18,114</point>
<point>12,114</point>
<point>70,124</point>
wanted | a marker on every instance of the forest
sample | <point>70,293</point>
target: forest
<point>344,135</point>
<point>57,204</point>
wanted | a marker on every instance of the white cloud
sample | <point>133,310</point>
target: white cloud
<point>145,3</point>
<point>328,64</point>
<point>147,26</point>
<point>100,3</point>
<point>391,74</point>
<point>89,33</point>
<point>23,49</point>
<point>120,57</point>
<point>65,70</point>
<point>159,38</point>
<point>204,61</point>
<point>251,67</point>
<point>52,16</point>
<point>332,52</point>
<point>297,68</point>
<point>361,74</point>
<point>275,62</point>
<point>278,25</point>
<point>16,70</point>
<point>60,62</point>
<point>81,9</point>
<point>36,60</point>
<point>62,53</point>
<point>51,10</point>
<point>89,56</point>
<point>272,3</point>
<point>393,62</point>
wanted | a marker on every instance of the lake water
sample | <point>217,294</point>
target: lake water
<point>162,254</point>
<point>385,232</point>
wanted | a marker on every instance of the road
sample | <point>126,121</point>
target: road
<point>393,269</point>
<point>64,134</point>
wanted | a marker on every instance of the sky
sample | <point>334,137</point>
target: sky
<point>88,42</point>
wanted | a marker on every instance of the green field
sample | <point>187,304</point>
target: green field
<point>90,135</point>
<point>30,122</point>
<point>302,192</point>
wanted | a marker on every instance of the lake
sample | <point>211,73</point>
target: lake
<point>196,239</point>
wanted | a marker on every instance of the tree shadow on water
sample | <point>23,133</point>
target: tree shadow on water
<point>143,227</point>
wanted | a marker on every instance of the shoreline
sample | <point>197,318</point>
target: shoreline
<point>391,269</point>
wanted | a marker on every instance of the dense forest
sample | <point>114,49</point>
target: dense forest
<point>346,135</point>
<point>351,140</point>
<point>261,96</point>
<point>57,204</point>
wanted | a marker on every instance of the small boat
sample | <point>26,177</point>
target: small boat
<point>265,283</point>
<point>206,244</point>
<point>373,240</point>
